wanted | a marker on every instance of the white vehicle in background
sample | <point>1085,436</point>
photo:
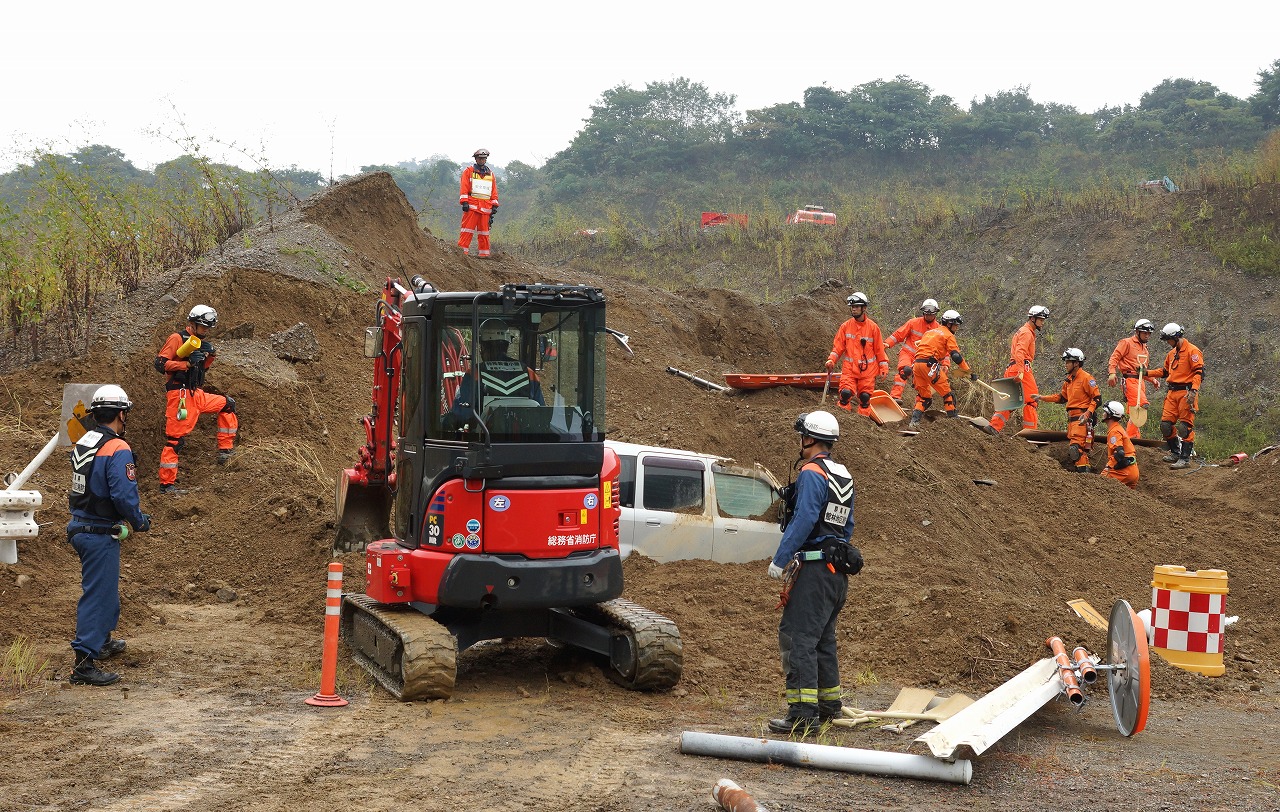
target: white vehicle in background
<point>679,505</point>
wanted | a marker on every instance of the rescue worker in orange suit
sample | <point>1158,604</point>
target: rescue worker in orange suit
<point>1184,371</point>
<point>935,350</point>
<point>1122,461</point>
<point>858,341</point>
<point>907,335</point>
<point>103,496</point>
<point>185,359</point>
<point>817,558</point>
<point>478,195</point>
<point>1022,351</point>
<point>1131,353</point>
<point>1082,397</point>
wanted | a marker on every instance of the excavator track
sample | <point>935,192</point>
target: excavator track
<point>655,640</point>
<point>408,653</point>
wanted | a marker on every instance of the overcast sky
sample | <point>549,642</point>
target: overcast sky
<point>362,83</point>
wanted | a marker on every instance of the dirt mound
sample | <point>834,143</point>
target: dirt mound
<point>974,544</point>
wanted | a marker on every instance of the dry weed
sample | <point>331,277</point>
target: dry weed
<point>289,454</point>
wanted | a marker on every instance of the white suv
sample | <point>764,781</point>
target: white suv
<point>681,504</point>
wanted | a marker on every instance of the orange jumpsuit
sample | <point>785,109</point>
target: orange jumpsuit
<point>1081,394</point>
<point>933,351</point>
<point>862,348</point>
<point>1129,354</point>
<point>1022,350</point>
<point>478,189</point>
<point>907,335</point>
<point>184,391</point>
<point>1184,370</point>
<point>1120,450</point>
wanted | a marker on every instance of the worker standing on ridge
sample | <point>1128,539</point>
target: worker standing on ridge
<point>1082,397</point>
<point>1131,353</point>
<point>933,352</point>
<point>815,547</point>
<point>478,195</point>
<point>103,495</point>
<point>858,341</point>
<point>1022,351</point>
<point>1122,461</point>
<point>1184,370</point>
<point>185,358</point>
<point>907,335</point>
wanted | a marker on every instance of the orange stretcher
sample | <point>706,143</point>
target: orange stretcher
<point>804,380</point>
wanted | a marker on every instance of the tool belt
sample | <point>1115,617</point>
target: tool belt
<point>1178,387</point>
<point>1129,375</point>
<point>926,360</point>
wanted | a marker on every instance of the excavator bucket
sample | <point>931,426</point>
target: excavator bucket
<point>364,514</point>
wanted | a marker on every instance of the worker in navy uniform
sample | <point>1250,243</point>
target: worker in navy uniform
<point>501,376</point>
<point>103,496</point>
<point>815,541</point>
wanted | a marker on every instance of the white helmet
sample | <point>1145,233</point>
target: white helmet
<point>929,306</point>
<point>203,315</point>
<point>110,397</point>
<point>1171,330</point>
<point>1038,312</point>
<point>857,298</point>
<point>951,317</point>
<point>1144,324</point>
<point>480,153</point>
<point>818,425</point>
<point>1114,409</point>
<point>494,330</point>
<point>1073,354</point>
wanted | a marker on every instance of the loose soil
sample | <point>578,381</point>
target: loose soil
<point>223,600</point>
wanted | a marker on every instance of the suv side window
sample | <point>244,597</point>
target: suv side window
<point>673,485</point>
<point>627,481</point>
<point>742,497</point>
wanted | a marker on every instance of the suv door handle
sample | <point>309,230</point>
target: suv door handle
<point>652,523</point>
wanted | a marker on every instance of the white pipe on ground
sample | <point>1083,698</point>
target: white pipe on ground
<point>826,757</point>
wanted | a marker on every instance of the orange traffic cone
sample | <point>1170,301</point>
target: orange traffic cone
<point>328,697</point>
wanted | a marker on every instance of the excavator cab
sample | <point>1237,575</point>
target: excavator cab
<point>488,452</point>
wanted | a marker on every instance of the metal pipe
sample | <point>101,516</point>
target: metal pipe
<point>1066,670</point>
<point>715,387</point>
<point>16,483</point>
<point>733,798</point>
<point>826,757</point>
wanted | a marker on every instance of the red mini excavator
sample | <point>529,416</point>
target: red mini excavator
<point>484,497</point>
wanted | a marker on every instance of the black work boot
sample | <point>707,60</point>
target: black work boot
<point>87,672</point>
<point>172,490</point>
<point>110,649</point>
<point>914,423</point>
<point>796,722</point>
<point>224,454</point>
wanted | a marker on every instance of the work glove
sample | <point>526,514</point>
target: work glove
<point>1111,379</point>
<point>493,215</point>
<point>774,570</point>
<point>903,372</point>
<point>465,205</point>
<point>495,208</point>
<point>830,364</point>
<point>197,358</point>
<point>145,525</point>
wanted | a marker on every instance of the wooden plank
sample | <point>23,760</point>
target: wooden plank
<point>1090,615</point>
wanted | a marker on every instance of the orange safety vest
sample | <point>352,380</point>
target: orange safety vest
<point>860,344</point>
<point>479,187</point>
<point>1079,391</point>
<point>938,344</point>
<point>1183,366</point>
<point>1129,354</point>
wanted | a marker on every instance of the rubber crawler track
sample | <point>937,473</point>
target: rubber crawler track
<point>426,652</point>
<point>655,638</point>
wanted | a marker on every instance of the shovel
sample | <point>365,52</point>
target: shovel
<point>825,387</point>
<point>1138,414</point>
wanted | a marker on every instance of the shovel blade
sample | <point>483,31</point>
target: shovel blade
<point>1138,415</point>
